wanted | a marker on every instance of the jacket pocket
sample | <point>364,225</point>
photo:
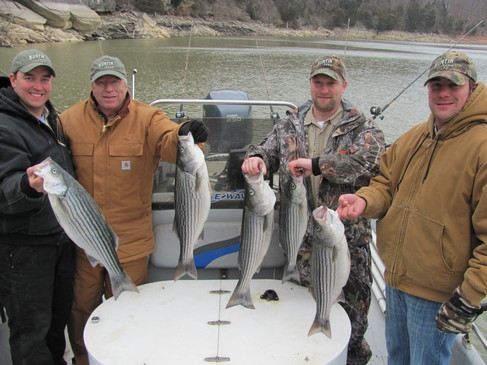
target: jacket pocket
<point>82,149</point>
<point>126,149</point>
<point>126,159</point>
<point>126,166</point>
<point>424,251</point>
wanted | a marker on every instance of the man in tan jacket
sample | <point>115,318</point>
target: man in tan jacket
<point>117,143</point>
<point>431,204</point>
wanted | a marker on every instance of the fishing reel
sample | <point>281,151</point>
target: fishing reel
<point>376,111</point>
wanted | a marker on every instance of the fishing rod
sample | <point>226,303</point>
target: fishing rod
<point>376,111</point>
<point>346,39</point>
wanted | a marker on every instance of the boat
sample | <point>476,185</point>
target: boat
<point>185,321</point>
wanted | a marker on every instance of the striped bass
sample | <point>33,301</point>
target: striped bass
<point>330,266</point>
<point>293,222</point>
<point>192,201</point>
<point>82,220</point>
<point>256,233</point>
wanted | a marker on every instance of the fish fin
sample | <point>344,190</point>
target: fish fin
<point>202,235</point>
<point>92,260</point>
<point>291,274</point>
<point>322,325</point>
<point>121,283</point>
<point>197,183</point>
<point>341,297</point>
<point>186,268</point>
<point>115,238</point>
<point>242,297</point>
<point>310,289</point>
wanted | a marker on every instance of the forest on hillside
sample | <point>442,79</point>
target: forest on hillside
<point>432,16</point>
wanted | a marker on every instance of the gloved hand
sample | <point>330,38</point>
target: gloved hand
<point>457,314</point>
<point>197,129</point>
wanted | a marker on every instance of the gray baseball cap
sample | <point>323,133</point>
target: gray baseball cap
<point>107,65</point>
<point>26,61</point>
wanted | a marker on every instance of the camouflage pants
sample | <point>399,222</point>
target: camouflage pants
<point>357,291</point>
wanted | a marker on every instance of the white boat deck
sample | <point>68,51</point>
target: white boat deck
<point>186,322</point>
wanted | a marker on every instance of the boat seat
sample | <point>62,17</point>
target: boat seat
<point>216,252</point>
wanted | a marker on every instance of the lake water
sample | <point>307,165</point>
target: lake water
<point>264,67</point>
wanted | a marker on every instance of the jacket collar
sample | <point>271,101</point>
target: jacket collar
<point>124,109</point>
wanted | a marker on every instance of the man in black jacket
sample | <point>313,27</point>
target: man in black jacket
<point>36,257</point>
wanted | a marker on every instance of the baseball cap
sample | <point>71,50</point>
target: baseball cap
<point>107,65</point>
<point>26,61</point>
<point>455,66</point>
<point>331,66</point>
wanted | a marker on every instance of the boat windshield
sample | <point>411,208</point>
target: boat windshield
<point>231,129</point>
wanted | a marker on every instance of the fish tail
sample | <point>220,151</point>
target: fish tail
<point>242,297</point>
<point>320,325</point>
<point>186,268</point>
<point>122,282</point>
<point>291,274</point>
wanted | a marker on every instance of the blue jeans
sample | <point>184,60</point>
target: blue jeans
<point>36,289</point>
<point>411,333</point>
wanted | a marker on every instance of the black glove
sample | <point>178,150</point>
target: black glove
<point>457,314</point>
<point>197,129</point>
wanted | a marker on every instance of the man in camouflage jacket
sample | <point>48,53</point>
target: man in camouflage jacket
<point>343,150</point>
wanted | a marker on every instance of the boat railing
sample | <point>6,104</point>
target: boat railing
<point>270,103</point>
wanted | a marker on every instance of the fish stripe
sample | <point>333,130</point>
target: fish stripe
<point>90,225</point>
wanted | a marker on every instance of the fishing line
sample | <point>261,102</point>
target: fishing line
<point>186,66</point>
<point>101,48</point>
<point>274,115</point>
<point>376,111</point>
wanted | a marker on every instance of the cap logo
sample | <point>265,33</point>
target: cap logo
<point>326,63</point>
<point>106,64</point>
<point>446,63</point>
<point>37,56</point>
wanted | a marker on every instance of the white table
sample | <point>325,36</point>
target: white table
<point>168,323</point>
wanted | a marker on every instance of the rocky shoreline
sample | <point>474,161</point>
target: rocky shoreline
<point>135,25</point>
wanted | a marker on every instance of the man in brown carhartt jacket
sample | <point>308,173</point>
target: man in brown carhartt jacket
<point>117,143</point>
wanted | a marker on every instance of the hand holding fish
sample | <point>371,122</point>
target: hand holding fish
<point>350,206</point>
<point>253,166</point>
<point>301,167</point>
<point>36,182</point>
<point>197,129</point>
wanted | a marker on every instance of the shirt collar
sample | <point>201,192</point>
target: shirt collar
<point>333,120</point>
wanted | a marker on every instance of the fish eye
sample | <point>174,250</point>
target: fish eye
<point>293,186</point>
<point>251,192</point>
<point>54,170</point>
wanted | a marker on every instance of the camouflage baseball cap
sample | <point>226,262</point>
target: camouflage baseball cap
<point>107,65</point>
<point>331,66</point>
<point>455,66</point>
<point>26,61</point>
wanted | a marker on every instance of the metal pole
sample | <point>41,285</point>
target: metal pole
<point>134,71</point>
